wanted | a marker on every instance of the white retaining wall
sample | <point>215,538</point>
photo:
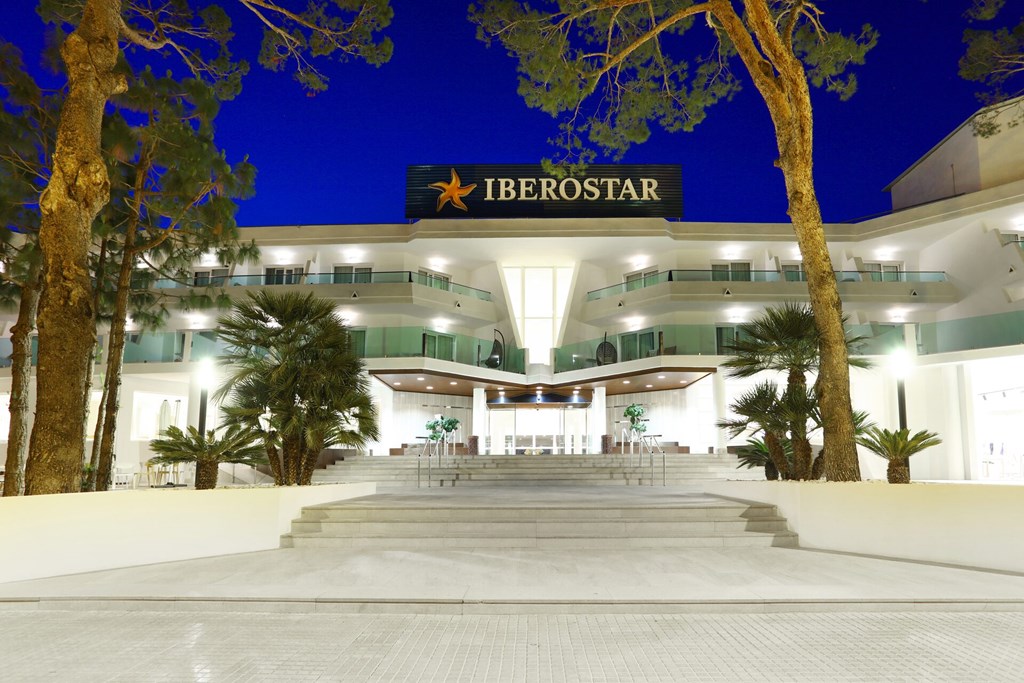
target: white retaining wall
<point>974,525</point>
<point>79,532</point>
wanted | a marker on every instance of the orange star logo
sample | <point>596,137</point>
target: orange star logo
<point>452,192</point>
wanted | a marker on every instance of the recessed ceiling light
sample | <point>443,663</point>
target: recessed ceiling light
<point>398,384</point>
<point>539,388</point>
<point>453,383</point>
<point>682,381</point>
<point>577,388</point>
<point>430,387</point>
<point>649,386</point>
<point>420,379</point>
<point>625,381</point>
<point>500,388</point>
<point>661,376</point>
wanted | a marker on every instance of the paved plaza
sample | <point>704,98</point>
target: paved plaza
<point>89,646</point>
<point>512,614</point>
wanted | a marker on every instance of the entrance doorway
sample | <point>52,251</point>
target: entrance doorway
<point>536,430</point>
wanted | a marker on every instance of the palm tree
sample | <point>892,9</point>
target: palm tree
<point>759,410</point>
<point>786,339</point>
<point>237,445</point>
<point>861,422</point>
<point>897,447</point>
<point>755,454</point>
<point>296,379</point>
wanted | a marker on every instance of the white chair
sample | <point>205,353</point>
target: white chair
<point>124,477</point>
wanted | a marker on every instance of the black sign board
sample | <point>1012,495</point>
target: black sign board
<point>526,191</point>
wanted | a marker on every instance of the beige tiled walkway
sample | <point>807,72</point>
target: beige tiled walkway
<point>720,614</point>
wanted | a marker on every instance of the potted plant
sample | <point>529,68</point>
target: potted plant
<point>435,429</point>
<point>897,447</point>
<point>635,413</point>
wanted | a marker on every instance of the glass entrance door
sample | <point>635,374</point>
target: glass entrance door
<point>533,430</point>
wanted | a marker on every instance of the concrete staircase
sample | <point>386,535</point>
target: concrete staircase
<point>395,472</point>
<point>554,519</point>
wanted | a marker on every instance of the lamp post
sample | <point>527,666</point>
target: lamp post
<point>899,363</point>
<point>206,378</point>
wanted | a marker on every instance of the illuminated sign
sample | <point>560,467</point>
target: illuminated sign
<point>524,191</point>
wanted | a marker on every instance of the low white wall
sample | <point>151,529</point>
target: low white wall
<point>974,525</point>
<point>80,532</point>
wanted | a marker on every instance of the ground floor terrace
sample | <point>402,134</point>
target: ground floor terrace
<point>488,611</point>
<point>971,398</point>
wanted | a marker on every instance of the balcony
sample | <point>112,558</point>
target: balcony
<point>675,290</point>
<point>375,278</point>
<point>698,340</point>
<point>370,343</point>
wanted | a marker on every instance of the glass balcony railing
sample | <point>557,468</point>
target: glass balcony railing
<point>374,342</point>
<point>759,276</point>
<point>375,278</point>
<point>979,332</point>
<point>421,342</point>
<point>698,340</point>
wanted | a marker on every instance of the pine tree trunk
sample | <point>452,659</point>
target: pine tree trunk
<point>115,356</point>
<point>94,456</point>
<point>898,471</point>
<point>78,189</point>
<point>781,80</point>
<point>21,378</point>
<point>207,472</point>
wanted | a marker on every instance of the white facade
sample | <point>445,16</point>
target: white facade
<point>943,280</point>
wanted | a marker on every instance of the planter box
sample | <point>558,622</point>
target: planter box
<point>80,532</point>
<point>968,524</point>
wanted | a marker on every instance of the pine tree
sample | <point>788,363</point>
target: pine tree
<point>609,70</point>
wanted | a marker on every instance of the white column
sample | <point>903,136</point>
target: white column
<point>383,398</point>
<point>718,390</point>
<point>597,424</point>
<point>479,417</point>
<point>965,399</point>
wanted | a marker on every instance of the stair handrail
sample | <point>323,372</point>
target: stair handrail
<point>651,444</point>
<point>430,447</point>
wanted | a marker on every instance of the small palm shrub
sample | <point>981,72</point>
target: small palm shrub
<point>237,445</point>
<point>897,447</point>
<point>756,454</point>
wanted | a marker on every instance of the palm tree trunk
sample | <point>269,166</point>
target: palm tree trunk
<point>21,378</point>
<point>274,459</point>
<point>207,472</point>
<point>77,190</point>
<point>898,471</point>
<point>778,454</point>
<point>771,473</point>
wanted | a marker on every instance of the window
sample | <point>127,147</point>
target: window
<point>211,277</point>
<point>641,278</point>
<point>439,346</point>
<point>884,272</point>
<point>725,336</point>
<point>635,345</point>
<point>733,271</point>
<point>793,272</point>
<point>348,275</point>
<point>435,280</point>
<point>291,275</point>
<point>358,340</point>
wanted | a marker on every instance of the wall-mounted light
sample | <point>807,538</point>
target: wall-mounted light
<point>458,304</point>
<point>355,295</point>
<point>620,304</point>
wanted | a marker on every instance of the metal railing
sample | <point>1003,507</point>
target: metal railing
<point>759,276</point>
<point>375,278</point>
<point>650,443</point>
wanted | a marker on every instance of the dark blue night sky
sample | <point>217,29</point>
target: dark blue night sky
<point>445,98</point>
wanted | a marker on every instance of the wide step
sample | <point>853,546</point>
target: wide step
<point>444,520</point>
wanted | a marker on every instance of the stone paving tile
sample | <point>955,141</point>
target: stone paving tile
<point>814,647</point>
